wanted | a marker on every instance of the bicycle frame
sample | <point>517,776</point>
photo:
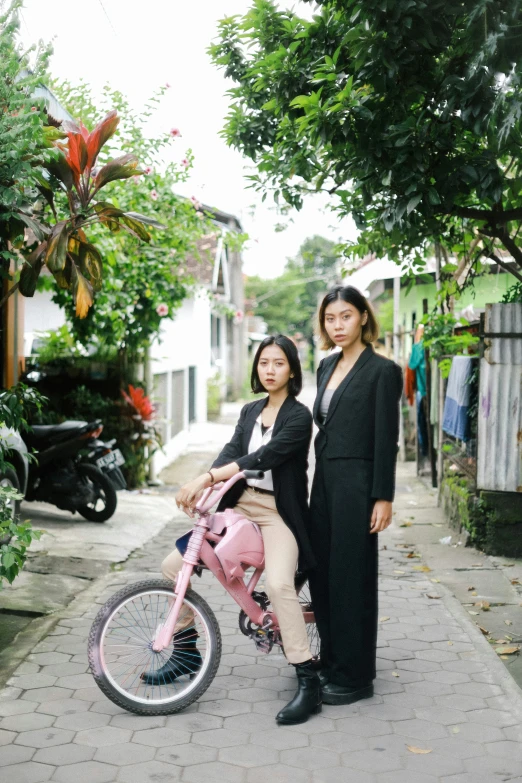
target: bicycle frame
<point>200,550</point>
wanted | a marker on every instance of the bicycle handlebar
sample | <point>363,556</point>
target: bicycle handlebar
<point>216,492</point>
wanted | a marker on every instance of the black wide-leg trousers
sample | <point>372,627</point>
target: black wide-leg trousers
<point>344,584</point>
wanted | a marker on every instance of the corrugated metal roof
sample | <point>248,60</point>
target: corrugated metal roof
<point>499,457</point>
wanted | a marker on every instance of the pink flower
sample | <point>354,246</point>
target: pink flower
<point>175,132</point>
<point>33,108</point>
<point>185,162</point>
<point>162,310</point>
<point>147,170</point>
<point>199,214</point>
<point>197,204</point>
<point>167,86</point>
<point>154,195</point>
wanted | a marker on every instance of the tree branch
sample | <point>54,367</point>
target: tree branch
<point>493,217</point>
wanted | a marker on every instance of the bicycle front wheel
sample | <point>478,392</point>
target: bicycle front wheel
<point>126,668</point>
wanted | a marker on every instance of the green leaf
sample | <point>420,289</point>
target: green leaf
<point>145,219</point>
<point>56,252</point>
<point>120,168</point>
<point>412,203</point>
<point>39,230</point>
<point>29,277</point>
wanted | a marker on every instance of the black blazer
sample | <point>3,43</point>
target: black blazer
<point>286,455</point>
<point>363,417</point>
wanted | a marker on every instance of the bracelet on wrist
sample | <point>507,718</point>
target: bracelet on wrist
<point>212,479</point>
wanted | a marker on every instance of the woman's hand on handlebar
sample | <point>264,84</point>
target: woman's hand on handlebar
<point>190,493</point>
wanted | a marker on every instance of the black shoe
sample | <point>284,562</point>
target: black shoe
<point>307,700</point>
<point>323,678</point>
<point>339,694</point>
<point>185,660</point>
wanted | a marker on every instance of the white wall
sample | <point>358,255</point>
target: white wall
<point>40,315</point>
<point>184,342</point>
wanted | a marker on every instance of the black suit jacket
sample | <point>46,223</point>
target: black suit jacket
<point>286,455</point>
<point>363,417</point>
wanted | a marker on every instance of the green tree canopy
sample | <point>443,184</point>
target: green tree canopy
<point>407,112</point>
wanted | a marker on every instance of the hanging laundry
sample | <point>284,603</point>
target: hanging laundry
<point>434,402</point>
<point>418,363</point>
<point>456,406</point>
<point>409,385</point>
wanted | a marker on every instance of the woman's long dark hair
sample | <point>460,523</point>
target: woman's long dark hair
<point>295,384</point>
<point>350,295</point>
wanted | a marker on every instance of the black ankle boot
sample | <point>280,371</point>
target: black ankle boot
<point>307,700</point>
<point>185,660</point>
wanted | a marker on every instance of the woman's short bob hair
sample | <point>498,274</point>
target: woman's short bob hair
<point>295,384</point>
<point>351,295</point>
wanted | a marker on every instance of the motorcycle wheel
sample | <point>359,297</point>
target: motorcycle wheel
<point>106,501</point>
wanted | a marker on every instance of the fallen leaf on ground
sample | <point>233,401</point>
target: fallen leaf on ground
<point>473,592</point>
<point>406,524</point>
<point>455,729</point>
<point>471,587</point>
<point>383,619</point>
<point>500,641</point>
<point>426,569</point>
<point>484,605</point>
<point>436,581</point>
<point>396,674</point>
<point>484,630</point>
<point>476,565</point>
<point>470,612</point>
<point>515,581</point>
<point>450,643</point>
<point>508,650</point>
<point>508,622</point>
<point>412,554</point>
<point>413,749</point>
<point>432,595</point>
<point>399,572</point>
<point>508,565</point>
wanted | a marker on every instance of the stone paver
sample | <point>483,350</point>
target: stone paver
<point>440,688</point>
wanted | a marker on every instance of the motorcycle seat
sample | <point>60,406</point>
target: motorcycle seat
<point>53,432</point>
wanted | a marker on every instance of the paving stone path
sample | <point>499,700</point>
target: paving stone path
<point>440,689</point>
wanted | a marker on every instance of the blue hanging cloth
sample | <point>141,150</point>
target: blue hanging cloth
<point>456,406</point>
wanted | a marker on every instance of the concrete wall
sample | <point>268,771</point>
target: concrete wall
<point>184,343</point>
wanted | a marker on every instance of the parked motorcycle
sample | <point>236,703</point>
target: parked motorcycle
<point>74,470</point>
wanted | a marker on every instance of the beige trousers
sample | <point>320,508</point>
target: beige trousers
<point>281,554</point>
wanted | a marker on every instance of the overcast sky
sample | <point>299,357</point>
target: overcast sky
<point>137,46</point>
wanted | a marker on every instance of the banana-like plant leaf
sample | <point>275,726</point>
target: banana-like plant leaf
<point>119,168</point>
<point>145,219</point>
<point>40,231</point>
<point>100,135</point>
<point>63,276</point>
<point>82,292</point>
<point>60,169</point>
<point>136,228</point>
<point>77,154</point>
<point>29,277</point>
<point>56,252</point>
<point>91,264</point>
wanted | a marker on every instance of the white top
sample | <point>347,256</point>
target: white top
<point>256,441</point>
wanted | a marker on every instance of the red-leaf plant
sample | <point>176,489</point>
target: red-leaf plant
<point>142,404</point>
<point>75,263</point>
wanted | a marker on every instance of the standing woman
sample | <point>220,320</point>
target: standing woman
<point>357,412</point>
<point>273,435</point>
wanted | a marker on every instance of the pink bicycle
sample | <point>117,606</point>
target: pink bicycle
<point>146,624</point>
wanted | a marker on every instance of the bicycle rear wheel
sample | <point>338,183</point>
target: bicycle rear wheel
<point>314,642</point>
<point>120,649</point>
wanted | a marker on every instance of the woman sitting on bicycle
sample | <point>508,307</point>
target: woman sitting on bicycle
<point>272,435</point>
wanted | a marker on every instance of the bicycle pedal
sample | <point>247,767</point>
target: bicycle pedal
<point>263,640</point>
